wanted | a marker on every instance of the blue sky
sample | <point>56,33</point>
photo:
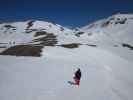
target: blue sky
<point>73,13</point>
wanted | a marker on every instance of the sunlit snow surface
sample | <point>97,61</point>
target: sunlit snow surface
<point>107,69</point>
<point>105,75</point>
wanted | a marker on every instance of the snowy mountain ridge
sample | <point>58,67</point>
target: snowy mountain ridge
<point>112,20</point>
<point>115,30</point>
<point>118,27</point>
<point>27,29</point>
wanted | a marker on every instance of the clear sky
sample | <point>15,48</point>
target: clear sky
<point>72,13</point>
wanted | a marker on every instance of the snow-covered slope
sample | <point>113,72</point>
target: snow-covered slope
<point>118,28</point>
<point>110,33</point>
<point>102,50</point>
<point>113,31</point>
<point>46,78</point>
<point>17,33</point>
<point>14,36</point>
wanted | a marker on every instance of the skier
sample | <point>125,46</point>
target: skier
<point>77,77</point>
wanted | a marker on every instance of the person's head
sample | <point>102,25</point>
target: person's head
<point>78,69</point>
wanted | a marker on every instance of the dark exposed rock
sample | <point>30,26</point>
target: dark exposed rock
<point>128,46</point>
<point>92,45</point>
<point>61,29</point>
<point>71,46</point>
<point>76,29</point>
<point>115,21</point>
<point>48,40</point>
<point>13,29</point>
<point>79,33</point>
<point>29,31</point>
<point>33,30</point>
<point>123,21</point>
<point>40,33</point>
<point>9,26</point>
<point>106,24</point>
<point>3,43</point>
<point>2,46</point>
<point>23,50</point>
<point>29,24</point>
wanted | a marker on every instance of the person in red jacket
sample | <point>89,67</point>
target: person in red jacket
<point>77,77</point>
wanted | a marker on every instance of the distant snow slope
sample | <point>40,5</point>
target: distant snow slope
<point>117,28</point>
<point>18,33</point>
<point>114,31</point>
<point>45,78</point>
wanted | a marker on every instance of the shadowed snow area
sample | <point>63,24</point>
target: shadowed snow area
<point>105,76</point>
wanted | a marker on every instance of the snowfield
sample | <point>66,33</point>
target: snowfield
<point>102,50</point>
<point>105,76</point>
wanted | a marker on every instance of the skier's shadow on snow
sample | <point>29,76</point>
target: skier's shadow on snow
<point>71,83</point>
